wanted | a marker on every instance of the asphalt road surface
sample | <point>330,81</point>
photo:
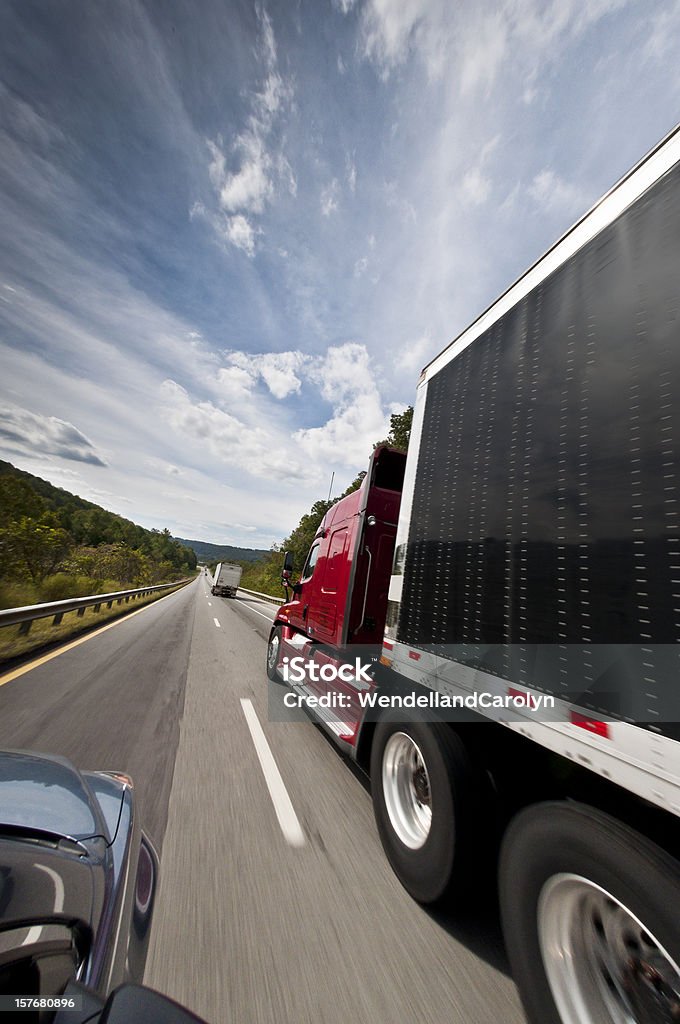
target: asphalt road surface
<point>276,903</point>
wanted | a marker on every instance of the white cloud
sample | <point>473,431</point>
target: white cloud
<point>395,199</point>
<point>217,171</point>
<point>360,266</point>
<point>476,186</point>
<point>240,232</point>
<point>329,198</point>
<point>389,27</point>
<point>106,498</point>
<point>552,192</point>
<point>484,53</point>
<point>348,436</point>
<point>176,496</point>
<point>476,42</point>
<point>414,355</point>
<point>280,371</point>
<point>235,384</point>
<point>247,189</point>
<point>343,377</point>
<point>351,174</point>
<point>253,450</point>
<point>663,37</point>
<point>33,434</point>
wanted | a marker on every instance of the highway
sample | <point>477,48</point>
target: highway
<point>276,901</point>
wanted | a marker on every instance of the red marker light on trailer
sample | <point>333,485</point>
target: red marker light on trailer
<point>527,699</point>
<point>593,725</point>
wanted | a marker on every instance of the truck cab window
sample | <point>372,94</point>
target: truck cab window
<point>310,563</point>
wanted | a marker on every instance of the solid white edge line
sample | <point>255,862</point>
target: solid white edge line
<point>217,623</point>
<point>288,820</point>
<point>256,612</point>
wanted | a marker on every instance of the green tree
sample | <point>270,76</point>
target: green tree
<point>18,500</point>
<point>400,430</point>
<point>34,545</point>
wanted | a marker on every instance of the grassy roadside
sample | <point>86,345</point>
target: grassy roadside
<point>43,635</point>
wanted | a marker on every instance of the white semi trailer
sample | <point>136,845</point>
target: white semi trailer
<point>226,580</point>
<point>537,555</point>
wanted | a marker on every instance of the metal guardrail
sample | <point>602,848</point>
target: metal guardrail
<point>267,597</point>
<point>27,615</point>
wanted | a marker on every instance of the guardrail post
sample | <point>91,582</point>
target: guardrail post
<point>80,613</point>
<point>57,618</point>
<point>25,627</point>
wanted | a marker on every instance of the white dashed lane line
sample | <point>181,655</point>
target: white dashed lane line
<point>285,812</point>
<point>217,623</point>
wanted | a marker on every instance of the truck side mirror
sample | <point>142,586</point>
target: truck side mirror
<point>288,562</point>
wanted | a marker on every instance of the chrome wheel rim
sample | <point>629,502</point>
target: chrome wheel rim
<point>406,789</point>
<point>603,965</point>
<point>273,652</point>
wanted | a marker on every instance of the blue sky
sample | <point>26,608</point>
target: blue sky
<point>231,234</point>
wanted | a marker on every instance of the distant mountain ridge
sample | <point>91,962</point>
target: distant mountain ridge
<point>207,552</point>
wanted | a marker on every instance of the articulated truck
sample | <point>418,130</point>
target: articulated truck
<point>490,625</point>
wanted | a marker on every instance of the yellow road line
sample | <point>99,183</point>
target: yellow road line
<point>76,643</point>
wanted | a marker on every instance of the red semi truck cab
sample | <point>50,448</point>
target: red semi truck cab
<point>340,599</point>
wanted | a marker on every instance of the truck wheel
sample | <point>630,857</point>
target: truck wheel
<point>590,917</point>
<point>421,782</point>
<point>274,653</point>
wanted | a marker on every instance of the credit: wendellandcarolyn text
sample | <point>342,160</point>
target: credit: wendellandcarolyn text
<point>432,700</point>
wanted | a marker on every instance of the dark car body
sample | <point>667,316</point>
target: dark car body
<point>77,878</point>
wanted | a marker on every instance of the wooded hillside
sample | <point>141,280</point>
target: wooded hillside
<point>54,545</point>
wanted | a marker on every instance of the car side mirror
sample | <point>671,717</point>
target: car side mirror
<point>127,1004</point>
<point>136,1004</point>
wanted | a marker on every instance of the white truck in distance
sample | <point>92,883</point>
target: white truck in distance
<point>226,580</point>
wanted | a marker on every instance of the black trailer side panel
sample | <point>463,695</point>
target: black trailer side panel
<point>547,498</point>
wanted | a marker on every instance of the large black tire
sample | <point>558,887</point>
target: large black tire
<point>602,901</point>
<point>273,654</point>
<point>430,861</point>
